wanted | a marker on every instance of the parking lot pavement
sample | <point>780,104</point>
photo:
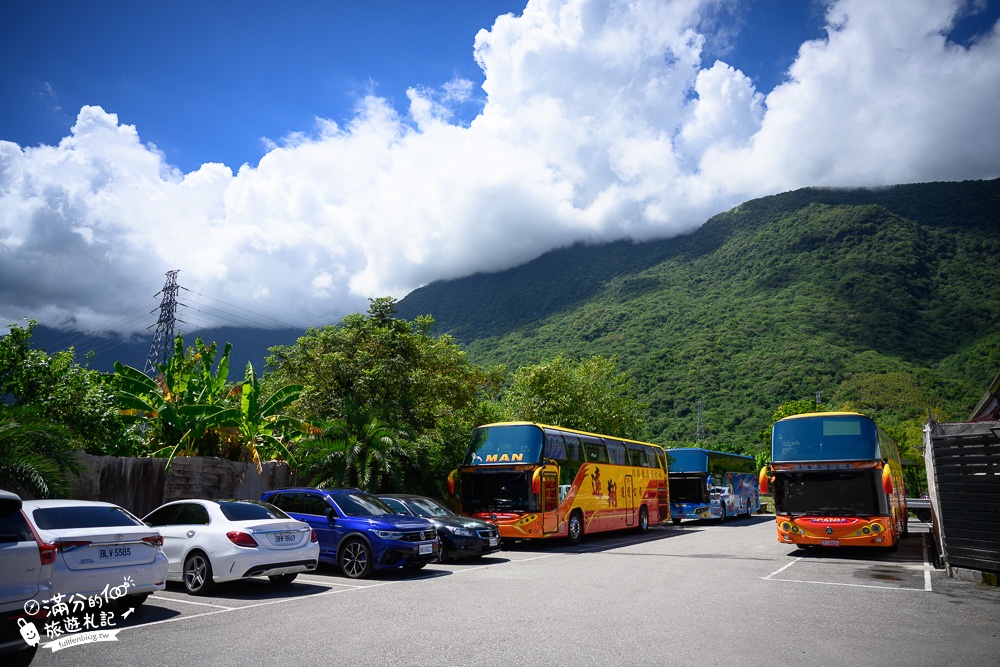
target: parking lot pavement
<point>688,577</point>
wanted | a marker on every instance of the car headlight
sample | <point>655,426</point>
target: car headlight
<point>464,532</point>
<point>390,534</point>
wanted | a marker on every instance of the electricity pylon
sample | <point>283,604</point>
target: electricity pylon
<point>164,335</point>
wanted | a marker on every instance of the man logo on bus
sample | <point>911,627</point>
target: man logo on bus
<point>500,458</point>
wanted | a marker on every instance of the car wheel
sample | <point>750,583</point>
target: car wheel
<point>283,579</point>
<point>643,520</point>
<point>198,574</point>
<point>575,527</point>
<point>676,521</point>
<point>443,554</point>
<point>355,559</point>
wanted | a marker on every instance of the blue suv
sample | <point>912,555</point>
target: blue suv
<point>357,531</point>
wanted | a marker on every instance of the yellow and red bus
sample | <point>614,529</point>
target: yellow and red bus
<point>837,482</point>
<point>539,481</point>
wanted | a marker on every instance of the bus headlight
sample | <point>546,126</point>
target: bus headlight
<point>877,528</point>
<point>785,526</point>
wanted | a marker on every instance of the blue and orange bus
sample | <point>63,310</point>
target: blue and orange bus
<point>539,481</point>
<point>705,484</point>
<point>837,481</point>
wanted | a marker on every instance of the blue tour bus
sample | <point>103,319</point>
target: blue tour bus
<point>706,484</point>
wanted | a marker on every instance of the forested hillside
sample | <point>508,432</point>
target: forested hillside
<point>882,300</point>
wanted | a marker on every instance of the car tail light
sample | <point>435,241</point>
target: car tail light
<point>46,552</point>
<point>241,539</point>
<point>313,538</point>
<point>154,541</point>
<point>68,546</point>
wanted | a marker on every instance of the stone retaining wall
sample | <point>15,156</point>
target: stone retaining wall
<point>140,486</point>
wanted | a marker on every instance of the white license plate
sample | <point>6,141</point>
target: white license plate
<point>426,549</point>
<point>113,553</point>
<point>830,543</point>
<point>282,538</point>
<point>494,541</point>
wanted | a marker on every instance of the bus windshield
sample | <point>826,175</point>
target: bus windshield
<point>513,443</point>
<point>826,438</point>
<point>849,493</point>
<point>690,460</point>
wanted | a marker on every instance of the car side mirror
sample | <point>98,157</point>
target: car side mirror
<point>331,516</point>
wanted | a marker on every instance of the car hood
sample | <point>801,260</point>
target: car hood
<point>396,522</point>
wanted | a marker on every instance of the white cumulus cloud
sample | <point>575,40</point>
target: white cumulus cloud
<point>600,121</point>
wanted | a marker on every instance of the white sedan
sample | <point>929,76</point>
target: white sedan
<point>98,550</point>
<point>212,541</point>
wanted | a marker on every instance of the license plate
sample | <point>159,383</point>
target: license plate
<point>111,553</point>
<point>426,549</point>
<point>281,538</point>
<point>494,541</point>
<point>830,543</point>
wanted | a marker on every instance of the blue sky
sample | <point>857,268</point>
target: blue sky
<point>301,157</point>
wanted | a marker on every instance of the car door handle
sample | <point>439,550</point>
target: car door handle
<point>190,533</point>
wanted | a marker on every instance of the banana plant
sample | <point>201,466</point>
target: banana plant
<point>257,424</point>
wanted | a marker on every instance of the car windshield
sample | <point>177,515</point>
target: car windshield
<point>427,508</point>
<point>361,504</point>
<point>96,516</point>
<point>249,510</point>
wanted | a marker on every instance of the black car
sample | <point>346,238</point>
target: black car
<point>461,536</point>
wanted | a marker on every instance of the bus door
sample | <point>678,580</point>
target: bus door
<point>550,502</point>
<point>629,501</point>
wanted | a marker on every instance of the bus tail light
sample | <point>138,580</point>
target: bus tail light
<point>765,481</point>
<point>887,480</point>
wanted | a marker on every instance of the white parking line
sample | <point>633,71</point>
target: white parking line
<point>201,604</point>
<point>926,567</point>
<point>781,569</point>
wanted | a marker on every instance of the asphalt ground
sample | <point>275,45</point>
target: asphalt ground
<point>701,593</point>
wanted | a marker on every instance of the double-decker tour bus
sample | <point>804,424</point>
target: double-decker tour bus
<point>538,481</point>
<point>706,484</point>
<point>837,481</point>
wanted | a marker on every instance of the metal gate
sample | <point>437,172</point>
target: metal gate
<point>963,473</point>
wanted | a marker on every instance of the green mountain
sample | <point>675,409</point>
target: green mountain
<point>883,300</point>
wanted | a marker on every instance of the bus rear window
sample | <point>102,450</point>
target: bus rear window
<point>514,443</point>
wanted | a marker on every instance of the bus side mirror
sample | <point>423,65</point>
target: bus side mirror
<point>887,480</point>
<point>764,481</point>
<point>536,481</point>
<point>451,482</point>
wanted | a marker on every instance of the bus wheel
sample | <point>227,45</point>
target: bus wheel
<point>676,521</point>
<point>643,520</point>
<point>575,527</point>
<point>722,519</point>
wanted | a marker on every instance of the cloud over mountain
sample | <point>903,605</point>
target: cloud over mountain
<point>601,121</point>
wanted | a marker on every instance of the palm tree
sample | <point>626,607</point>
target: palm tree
<point>35,453</point>
<point>364,452</point>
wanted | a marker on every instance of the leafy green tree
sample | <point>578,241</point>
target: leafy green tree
<point>379,368</point>
<point>589,394</point>
<point>64,392</point>
<point>35,453</point>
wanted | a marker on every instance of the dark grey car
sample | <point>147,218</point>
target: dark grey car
<point>461,536</point>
